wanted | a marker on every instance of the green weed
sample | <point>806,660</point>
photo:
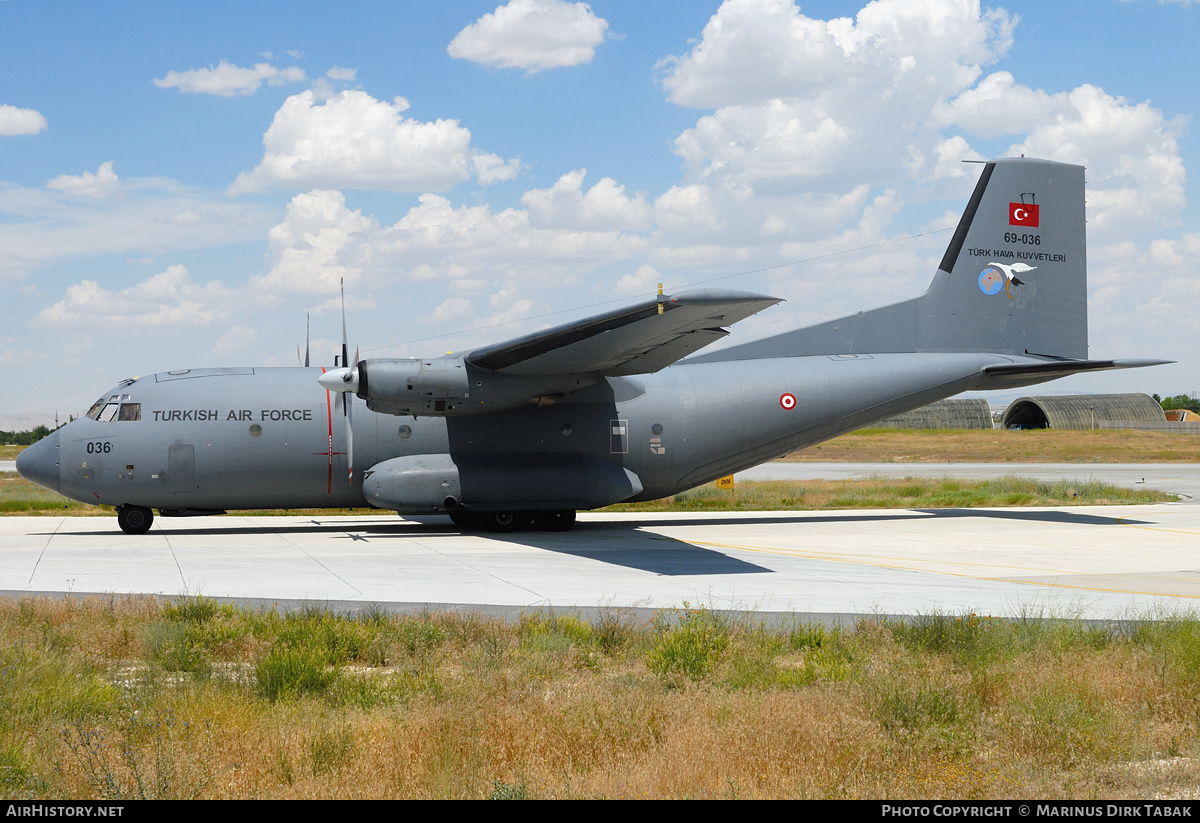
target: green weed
<point>507,791</point>
<point>690,642</point>
<point>288,672</point>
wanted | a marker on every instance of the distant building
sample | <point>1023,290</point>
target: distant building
<point>973,413</point>
<point>1083,411</point>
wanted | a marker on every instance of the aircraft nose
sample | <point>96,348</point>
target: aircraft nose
<point>39,462</point>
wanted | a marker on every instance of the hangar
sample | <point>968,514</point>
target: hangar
<point>1082,411</point>
<point>957,413</point>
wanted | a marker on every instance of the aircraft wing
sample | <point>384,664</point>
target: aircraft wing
<point>631,340</point>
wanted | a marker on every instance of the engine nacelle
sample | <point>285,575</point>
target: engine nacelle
<point>427,483</point>
<point>449,386</point>
<point>439,386</point>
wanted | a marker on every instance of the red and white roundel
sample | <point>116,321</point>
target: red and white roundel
<point>788,401</point>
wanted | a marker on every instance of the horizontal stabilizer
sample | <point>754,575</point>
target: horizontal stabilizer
<point>640,339</point>
<point>1005,375</point>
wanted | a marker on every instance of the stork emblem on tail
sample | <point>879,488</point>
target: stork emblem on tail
<point>997,274</point>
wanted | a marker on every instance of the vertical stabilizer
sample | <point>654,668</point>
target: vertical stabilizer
<point>1012,281</point>
<point>1014,278</point>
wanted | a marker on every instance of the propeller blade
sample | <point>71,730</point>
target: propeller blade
<point>349,374</point>
<point>348,412</point>
<point>345,347</point>
<point>307,329</point>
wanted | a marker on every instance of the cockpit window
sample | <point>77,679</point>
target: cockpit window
<point>116,407</point>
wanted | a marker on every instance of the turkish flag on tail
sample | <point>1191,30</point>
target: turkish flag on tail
<point>1023,214</point>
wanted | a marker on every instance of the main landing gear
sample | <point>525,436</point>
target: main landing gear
<point>556,520</point>
<point>134,519</point>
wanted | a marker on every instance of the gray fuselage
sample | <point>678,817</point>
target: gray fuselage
<point>212,439</point>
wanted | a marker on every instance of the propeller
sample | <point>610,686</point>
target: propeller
<point>345,381</point>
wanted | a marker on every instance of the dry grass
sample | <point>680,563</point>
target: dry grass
<point>893,493</point>
<point>129,697</point>
<point>1002,446</point>
<point>19,496</point>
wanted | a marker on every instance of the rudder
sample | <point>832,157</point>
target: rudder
<point>1014,277</point>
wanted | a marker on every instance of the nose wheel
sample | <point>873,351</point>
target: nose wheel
<point>134,519</point>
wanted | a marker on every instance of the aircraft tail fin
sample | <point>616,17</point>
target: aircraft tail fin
<point>1014,277</point>
<point>1012,281</point>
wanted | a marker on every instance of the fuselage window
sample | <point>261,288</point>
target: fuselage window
<point>130,411</point>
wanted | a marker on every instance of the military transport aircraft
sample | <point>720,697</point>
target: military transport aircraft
<point>606,409</point>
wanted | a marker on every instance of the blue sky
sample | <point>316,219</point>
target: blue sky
<point>179,184</point>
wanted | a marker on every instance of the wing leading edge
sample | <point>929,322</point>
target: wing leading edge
<point>637,339</point>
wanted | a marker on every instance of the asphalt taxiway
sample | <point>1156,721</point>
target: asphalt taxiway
<point>1095,562</point>
<point>1092,562</point>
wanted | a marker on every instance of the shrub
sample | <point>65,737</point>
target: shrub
<point>692,646</point>
<point>289,672</point>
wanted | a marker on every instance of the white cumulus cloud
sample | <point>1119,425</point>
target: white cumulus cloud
<point>491,168</point>
<point>228,80</point>
<point>353,140</point>
<point>604,206</point>
<point>807,103</point>
<point>169,298</point>
<point>1136,176</point>
<point>15,121</point>
<point>307,246</point>
<point>532,35</point>
<point>997,106</point>
<point>322,240</point>
<point>753,50</point>
<point>645,279</point>
<point>820,132</point>
<point>101,184</point>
